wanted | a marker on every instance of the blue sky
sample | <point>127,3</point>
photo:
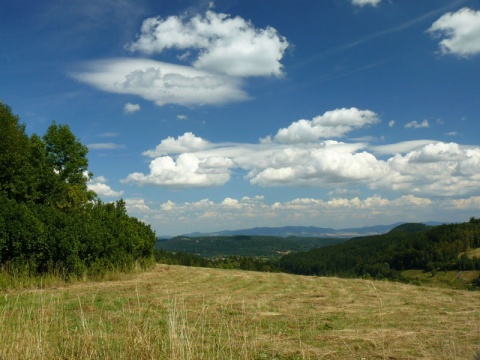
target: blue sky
<point>206,116</point>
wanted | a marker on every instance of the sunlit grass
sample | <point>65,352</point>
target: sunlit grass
<point>176,312</point>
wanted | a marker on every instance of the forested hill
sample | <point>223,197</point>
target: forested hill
<point>49,220</point>
<point>409,246</point>
<point>242,245</point>
<point>305,231</point>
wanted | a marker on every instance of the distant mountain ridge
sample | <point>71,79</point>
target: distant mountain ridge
<point>308,231</point>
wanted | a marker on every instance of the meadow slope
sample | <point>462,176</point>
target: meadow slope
<point>175,312</point>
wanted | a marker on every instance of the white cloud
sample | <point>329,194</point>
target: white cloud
<point>131,108</point>
<point>366,2</point>
<point>221,50</point>
<point>461,32</point>
<point>246,212</point>
<point>471,203</point>
<point>99,186</point>
<point>416,167</point>
<point>136,205</point>
<point>182,117</point>
<point>391,123</point>
<point>108,134</point>
<point>232,46</point>
<point>187,170</point>
<point>322,167</point>
<point>161,82</point>
<point>417,125</point>
<point>438,169</point>
<point>400,147</point>
<point>335,123</point>
<point>187,142</point>
<point>105,146</point>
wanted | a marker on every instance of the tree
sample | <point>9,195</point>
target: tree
<point>48,217</point>
<point>16,171</point>
<point>67,158</point>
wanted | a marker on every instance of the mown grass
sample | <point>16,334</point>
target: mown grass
<point>452,279</point>
<point>175,312</point>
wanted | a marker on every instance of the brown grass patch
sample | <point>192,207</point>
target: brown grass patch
<point>175,312</point>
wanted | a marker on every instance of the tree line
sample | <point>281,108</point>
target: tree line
<point>409,246</point>
<point>49,219</point>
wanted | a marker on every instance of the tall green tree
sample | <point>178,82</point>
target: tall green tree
<point>67,158</point>
<point>16,172</point>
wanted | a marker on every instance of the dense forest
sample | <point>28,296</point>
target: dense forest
<point>409,246</point>
<point>49,219</point>
<point>265,264</point>
<point>243,245</point>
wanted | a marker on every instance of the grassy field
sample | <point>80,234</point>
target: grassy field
<point>450,279</point>
<point>174,312</point>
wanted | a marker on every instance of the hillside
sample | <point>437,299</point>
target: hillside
<point>242,245</point>
<point>175,312</point>
<point>307,231</point>
<point>407,247</point>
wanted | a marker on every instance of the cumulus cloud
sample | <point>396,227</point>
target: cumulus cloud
<point>187,170</point>
<point>218,50</point>
<point>366,2</point>
<point>232,46</point>
<point>160,82</point>
<point>187,142</point>
<point>131,108</point>
<point>460,32</point>
<point>335,123</point>
<point>316,167</point>
<point>298,158</point>
<point>99,186</point>
<point>417,125</point>
<point>136,205</point>
<point>471,203</point>
<point>438,169</point>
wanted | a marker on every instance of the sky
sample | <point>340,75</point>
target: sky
<point>231,114</point>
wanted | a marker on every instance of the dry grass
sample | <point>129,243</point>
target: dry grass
<point>176,312</point>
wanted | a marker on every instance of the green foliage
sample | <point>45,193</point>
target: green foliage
<point>243,245</point>
<point>49,221</point>
<point>409,228</point>
<point>232,262</point>
<point>385,256</point>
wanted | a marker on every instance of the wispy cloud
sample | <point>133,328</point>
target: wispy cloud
<point>417,125</point>
<point>366,2</point>
<point>105,146</point>
<point>378,34</point>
